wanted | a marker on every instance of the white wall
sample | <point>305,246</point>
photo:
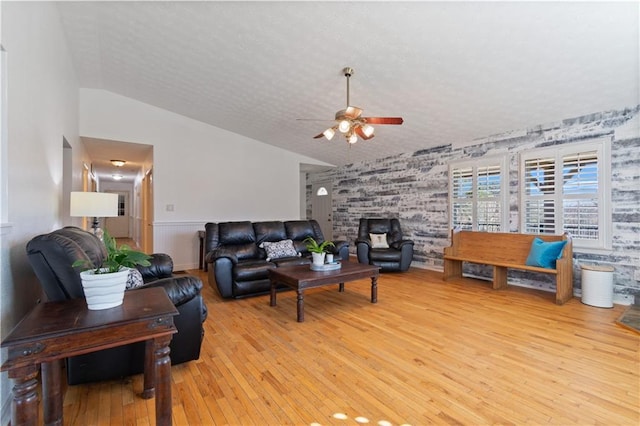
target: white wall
<point>206,173</point>
<point>42,108</point>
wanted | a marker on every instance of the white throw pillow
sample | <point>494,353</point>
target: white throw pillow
<point>379,240</point>
<point>279,250</point>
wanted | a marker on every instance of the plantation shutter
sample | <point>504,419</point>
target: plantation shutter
<point>540,191</point>
<point>567,189</point>
<point>488,201</point>
<point>580,195</point>
<point>478,194</point>
<point>462,198</point>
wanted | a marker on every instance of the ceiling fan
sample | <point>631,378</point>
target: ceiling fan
<point>351,123</point>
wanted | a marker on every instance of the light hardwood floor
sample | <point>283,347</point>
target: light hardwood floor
<point>428,352</point>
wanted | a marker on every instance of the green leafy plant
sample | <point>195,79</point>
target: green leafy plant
<point>117,257</point>
<point>314,247</point>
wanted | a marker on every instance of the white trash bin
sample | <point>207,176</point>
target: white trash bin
<point>597,285</point>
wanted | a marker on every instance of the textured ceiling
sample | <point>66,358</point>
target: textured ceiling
<point>455,71</point>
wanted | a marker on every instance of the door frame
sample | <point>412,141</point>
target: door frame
<point>322,207</point>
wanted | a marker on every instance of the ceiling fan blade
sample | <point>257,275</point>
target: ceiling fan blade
<point>329,133</point>
<point>360,132</point>
<point>383,120</point>
<point>312,119</point>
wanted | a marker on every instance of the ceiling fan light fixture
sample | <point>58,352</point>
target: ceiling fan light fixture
<point>368,130</point>
<point>351,123</point>
<point>329,133</point>
<point>344,126</point>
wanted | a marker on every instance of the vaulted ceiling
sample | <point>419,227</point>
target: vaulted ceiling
<point>455,71</point>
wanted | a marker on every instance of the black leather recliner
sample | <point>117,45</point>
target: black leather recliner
<point>239,266</point>
<point>51,256</point>
<point>396,257</point>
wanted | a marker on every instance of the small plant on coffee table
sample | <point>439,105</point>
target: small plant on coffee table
<point>314,247</point>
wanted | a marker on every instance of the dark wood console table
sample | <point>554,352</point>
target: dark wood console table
<point>55,330</point>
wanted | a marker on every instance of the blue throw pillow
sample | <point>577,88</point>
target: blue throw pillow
<point>544,254</point>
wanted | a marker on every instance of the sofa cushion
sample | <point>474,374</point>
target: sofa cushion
<point>298,230</point>
<point>250,270</point>
<point>379,226</point>
<point>279,249</point>
<point>245,251</point>
<point>292,261</point>
<point>385,255</point>
<point>269,231</point>
<point>233,233</point>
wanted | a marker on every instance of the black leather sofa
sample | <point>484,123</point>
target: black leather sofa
<point>396,253</point>
<point>238,266</point>
<point>51,256</point>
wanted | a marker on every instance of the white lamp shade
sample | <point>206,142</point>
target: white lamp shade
<point>329,133</point>
<point>93,204</point>
<point>344,126</point>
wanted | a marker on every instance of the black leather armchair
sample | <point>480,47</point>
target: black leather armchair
<point>393,254</point>
<point>51,256</point>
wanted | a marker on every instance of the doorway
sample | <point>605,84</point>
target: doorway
<point>322,207</point>
<point>125,167</point>
<point>119,226</point>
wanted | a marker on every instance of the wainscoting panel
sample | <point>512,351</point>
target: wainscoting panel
<point>180,241</point>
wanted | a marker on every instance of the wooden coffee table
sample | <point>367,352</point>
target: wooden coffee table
<point>302,277</point>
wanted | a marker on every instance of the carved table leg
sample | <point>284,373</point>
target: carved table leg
<point>24,407</point>
<point>374,289</point>
<point>163,380</point>
<point>52,392</point>
<point>149,371</point>
<point>300,306</point>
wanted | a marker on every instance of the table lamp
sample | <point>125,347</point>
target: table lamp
<point>94,204</point>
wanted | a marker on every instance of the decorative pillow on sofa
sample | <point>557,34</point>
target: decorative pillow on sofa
<point>134,279</point>
<point>379,240</point>
<point>544,254</point>
<point>279,250</point>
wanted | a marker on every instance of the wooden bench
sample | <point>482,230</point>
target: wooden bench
<point>504,251</point>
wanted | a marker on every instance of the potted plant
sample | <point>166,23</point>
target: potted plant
<point>318,251</point>
<point>104,284</point>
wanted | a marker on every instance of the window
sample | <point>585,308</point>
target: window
<point>478,195</point>
<point>322,191</point>
<point>567,189</point>
<point>121,205</point>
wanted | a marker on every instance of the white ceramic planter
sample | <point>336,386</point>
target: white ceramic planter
<point>318,258</point>
<point>103,291</point>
